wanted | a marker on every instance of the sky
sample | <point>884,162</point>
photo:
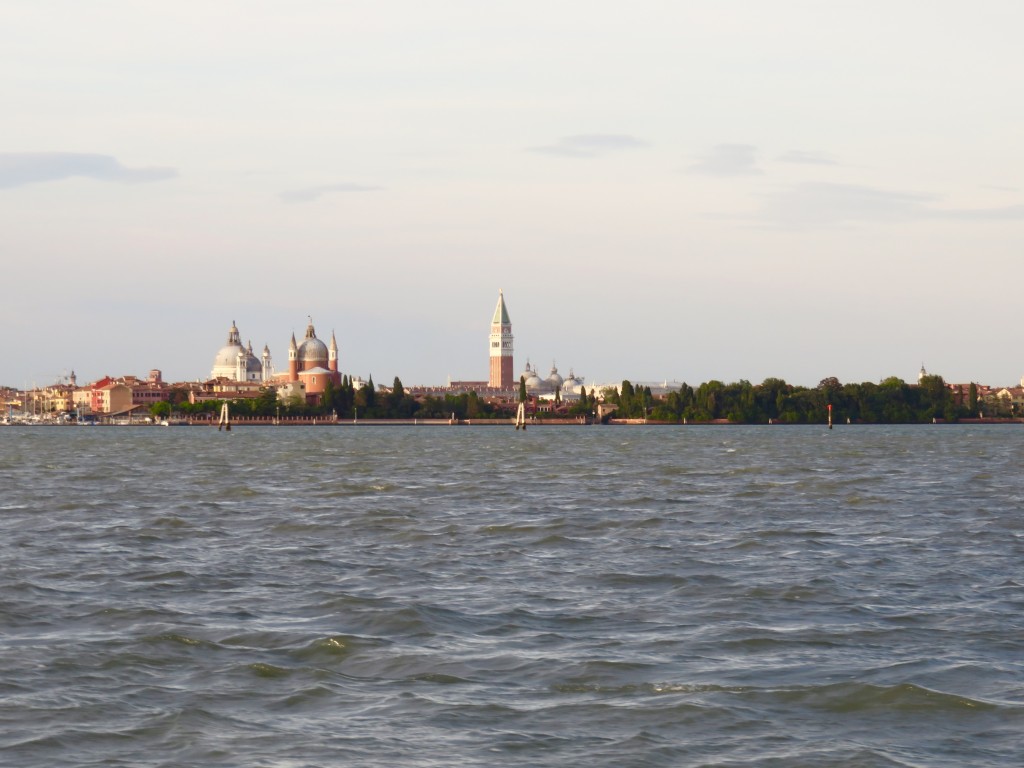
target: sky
<point>664,190</point>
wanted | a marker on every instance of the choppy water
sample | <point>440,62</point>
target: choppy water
<point>717,596</point>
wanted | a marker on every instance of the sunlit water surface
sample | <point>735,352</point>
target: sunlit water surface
<point>435,596</point>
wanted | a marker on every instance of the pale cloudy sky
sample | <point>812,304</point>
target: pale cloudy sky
<point>664,189</point>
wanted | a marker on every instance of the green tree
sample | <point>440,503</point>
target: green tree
<point>366,399</point>
<point>328,398</point>
<point>934,398</point>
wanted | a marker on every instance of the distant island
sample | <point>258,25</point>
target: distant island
<point>773,401</point>
<point>313,389</point>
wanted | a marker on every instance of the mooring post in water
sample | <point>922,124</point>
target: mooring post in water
<point>830,415</point>
<point>521,416</point>
<point>225,419</point>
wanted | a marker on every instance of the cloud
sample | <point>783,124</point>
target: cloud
<point>308,194</point>
<point>807,158</point>
<point>728,160</point>
<point>590,145</point>
<point>830,205</point>
<point>20,168</point>
<point>1004,213</point>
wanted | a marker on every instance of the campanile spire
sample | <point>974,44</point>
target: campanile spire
<point>501,346</point>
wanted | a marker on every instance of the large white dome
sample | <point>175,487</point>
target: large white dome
<point>225,363</point>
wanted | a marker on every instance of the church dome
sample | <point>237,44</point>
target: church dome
<point>226,360</point>
<point>554,379</point>
<point>534,383</point>
<point>227,357</point>
<point>225,363</point>
<point>313,351</point>
<point>252,363</point>
<point>528,372</point>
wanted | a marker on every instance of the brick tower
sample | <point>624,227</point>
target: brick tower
<point>501,347</point>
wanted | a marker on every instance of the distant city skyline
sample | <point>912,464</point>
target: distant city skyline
<point>680,191</point>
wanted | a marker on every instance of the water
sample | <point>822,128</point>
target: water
<point>428,596</point>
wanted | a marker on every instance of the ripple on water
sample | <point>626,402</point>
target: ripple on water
<point>381,597</point>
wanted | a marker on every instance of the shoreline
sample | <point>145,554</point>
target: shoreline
<point>312,422</point>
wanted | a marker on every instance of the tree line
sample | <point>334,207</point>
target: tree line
<point>892,401</point>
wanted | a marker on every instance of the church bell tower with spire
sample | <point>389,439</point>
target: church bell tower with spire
<point>332,354</point>
<point>293,360</point>
<point>501,347</point>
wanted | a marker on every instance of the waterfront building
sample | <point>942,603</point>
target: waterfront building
<point>1007,401</point>
<point>225,389</point>
<point>148,391</point>
<point>112,398</point>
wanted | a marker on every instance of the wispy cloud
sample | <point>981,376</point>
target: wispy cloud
<point>814,205</point>
<point>591,145</point>
<point>1004,213</point>
<point>807,158</point>
<point>308,194</point>
<point>728,160</point>
<point>20,168</point>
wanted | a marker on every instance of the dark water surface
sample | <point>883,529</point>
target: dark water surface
<point>428,596</point>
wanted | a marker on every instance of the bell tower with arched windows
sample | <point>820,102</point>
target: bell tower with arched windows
<point>501,346</point>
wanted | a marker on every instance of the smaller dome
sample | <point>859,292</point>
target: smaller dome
<point>252,364</point>
<point>534,382</point>
<point>554,379</point>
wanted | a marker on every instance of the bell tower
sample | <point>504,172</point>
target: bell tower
<point>267,364</point>
<point>332,354</point>
<point>501,347</point>
<point>293,360</point>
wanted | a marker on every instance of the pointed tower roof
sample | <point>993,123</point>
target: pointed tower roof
<point>293,345</point>
<point>501,312</point>
<point>334,342</point>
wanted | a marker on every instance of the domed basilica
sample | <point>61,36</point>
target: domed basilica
<point>237,363</point>
<point>535,385</point>
<point>311,364</point>
<point>306,362</point>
